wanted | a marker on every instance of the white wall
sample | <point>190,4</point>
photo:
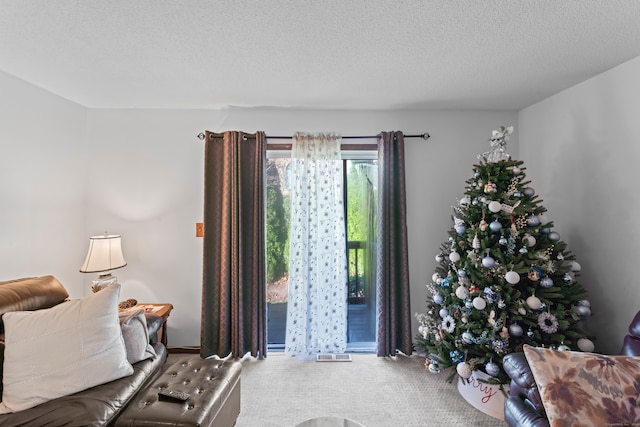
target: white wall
<point>68,173</point>
<point>42,169</point>
<point>152,192</point>
<point>581,148</point>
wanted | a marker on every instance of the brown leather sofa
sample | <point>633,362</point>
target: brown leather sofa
<point>97,406</point>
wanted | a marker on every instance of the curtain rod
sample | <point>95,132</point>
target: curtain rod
<point>424,136</point>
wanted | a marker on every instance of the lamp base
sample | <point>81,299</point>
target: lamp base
<point>103,281</point>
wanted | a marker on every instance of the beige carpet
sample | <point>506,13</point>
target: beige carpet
<point>376,392</point>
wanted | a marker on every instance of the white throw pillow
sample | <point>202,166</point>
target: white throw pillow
<point>62,350</point>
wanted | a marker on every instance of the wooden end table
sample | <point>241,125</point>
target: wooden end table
<point>163,310</point>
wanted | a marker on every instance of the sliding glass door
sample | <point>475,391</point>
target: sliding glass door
<point>360,196</point>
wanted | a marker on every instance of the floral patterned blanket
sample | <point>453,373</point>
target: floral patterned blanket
<point>586,389</point>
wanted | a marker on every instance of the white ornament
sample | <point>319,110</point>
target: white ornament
<point>529,240</point>
<point>584,302</point>
<point>476,242</point>
<point>443,313</point>
<point>543,219</point>
<point>464,201</point>
<point>575,266</point>
<point>522,311</point>
<point>464,370</point>
<point>454,256</point>
<point>586,345</point>
<point>462,292</point>
<point>512,277</point>
<point>479,303</point>
<point>435,277</point>
<point>495,207</point>
<point>534,302</point>
<point>439,258</point>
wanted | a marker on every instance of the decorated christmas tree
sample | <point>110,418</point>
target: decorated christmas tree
<point>504,276</point>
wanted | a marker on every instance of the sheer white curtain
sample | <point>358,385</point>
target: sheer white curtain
<point>317,306</point>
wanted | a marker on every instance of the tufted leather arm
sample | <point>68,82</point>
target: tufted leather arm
<point>631,344</point>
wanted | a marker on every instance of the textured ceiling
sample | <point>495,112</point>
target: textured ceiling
<point>338,54</point>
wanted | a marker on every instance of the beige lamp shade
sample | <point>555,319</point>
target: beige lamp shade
<point>105,254</point>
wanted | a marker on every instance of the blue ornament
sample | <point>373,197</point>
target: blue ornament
<point>583,311</point>
<point>523,250</point>
<point>438,299</point>
<point>468,303</point>
<point>516,194</point>
<point>495,226</point>
<point>492,368</point>
<point>553,236</point>
<point>533,220</point>
<point>503,241</point>
<point>456,356</point>
<point>444,312</point>
<point>460,229</point>
<point>467,337</point>
<point>445,282</point>
<point>528,191</point>
<point>545,230</point>
<point>462,273</point>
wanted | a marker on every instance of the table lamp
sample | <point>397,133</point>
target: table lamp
<point>104,255</point>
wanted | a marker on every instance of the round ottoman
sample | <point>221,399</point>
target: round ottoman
<point>329,422</point>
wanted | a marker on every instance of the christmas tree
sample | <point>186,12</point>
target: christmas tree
<point>504,277</point>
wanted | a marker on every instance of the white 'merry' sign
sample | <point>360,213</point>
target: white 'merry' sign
<point>488,398</point>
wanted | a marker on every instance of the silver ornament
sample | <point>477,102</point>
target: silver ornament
<point>434,367</point>
<point>546,282</point>
<point>515,330</point>
<point>492,369</point>
<point>583,311</point>
<point>467,337</point>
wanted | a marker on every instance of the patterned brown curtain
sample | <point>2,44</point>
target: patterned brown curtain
<point>394,311</point>
<point>233,319</point>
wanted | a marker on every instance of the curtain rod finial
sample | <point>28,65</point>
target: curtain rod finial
<point>425,136</point>
<point>201,136</point>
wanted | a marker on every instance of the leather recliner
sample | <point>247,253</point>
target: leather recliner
<point>524,406</point>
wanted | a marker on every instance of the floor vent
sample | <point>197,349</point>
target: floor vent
<point>333,358</point>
